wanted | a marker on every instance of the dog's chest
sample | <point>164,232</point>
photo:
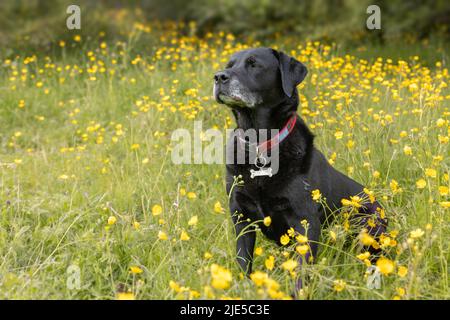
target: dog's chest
<point>278,207</point>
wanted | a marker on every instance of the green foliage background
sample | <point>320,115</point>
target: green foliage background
<point>342,20</point>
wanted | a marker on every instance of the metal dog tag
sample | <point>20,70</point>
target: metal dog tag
<point>260,162</point>
<point>261,172</point>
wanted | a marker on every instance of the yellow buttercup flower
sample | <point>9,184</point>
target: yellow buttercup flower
<point>289,265</point>
<point>333,236</point>
<point>401,291</point>
<point>302,249</point>
<point>366,239</point>
<point>184,236</point>
<point>157,210</point>
<point>136,270</point>
<point>402,271</point>
<point>363,256</point>
<point>191,195</point>
<point>125,296</point>
<point>258,251</point>
<point>259,278</point>
<point>355,201</point>
<point>291,232</point>
<point>162,235</point>
<point>339,285</point>
<point>385,266</point>
<point>112,220</point>
<point>443,190</point>
<point>440,122</point>
<point>371,195</point>
<point>270,262</point>
<point>395,187</point>
<point>415,234</point>
<point>174,286</point>
<point>301,238</point>
<point>207,255</point>
<point>429,172</point>
<point>421,183</point>
<point>220,277</point>
<point>407,150</point>
<point>218,207</point>
<point>193,221</point>
<point>316,195</point>
<point>284,239</point>
<point>338,135</point>
<point>267,221</point>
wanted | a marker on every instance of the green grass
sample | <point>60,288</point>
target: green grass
<point>60,182</point>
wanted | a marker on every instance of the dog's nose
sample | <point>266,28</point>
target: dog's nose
<point>221,77</point>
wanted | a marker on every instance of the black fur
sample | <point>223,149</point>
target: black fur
<point>285,197</point>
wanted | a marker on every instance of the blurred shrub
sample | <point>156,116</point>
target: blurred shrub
<point>343,20</point>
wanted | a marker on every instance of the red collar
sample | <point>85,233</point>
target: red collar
<point>267,145</point>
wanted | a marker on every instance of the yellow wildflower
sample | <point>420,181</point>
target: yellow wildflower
<point>284,239</point>
<point>421,183</point>
<point>407,150</point>
<point>402,271</point>
<point>366,239</point>
<point>135,270</point>
<point>124,296</point>
<point>184,236</point>
<point>112,220</point>
<point>302,249</point>
<point>162,235</point>
<point>429,172</point>
<point>301,238</point>
<point>339,285</point>
<point>218,207</point>
<point>191,195</point>
<point>193,221</point>
<point>289,265</point>
<point>385,266</point>
<point>316,195</point>
<point>220,277</point>
<point>258,278</point>
<point>415,234</point>
<point>270,262</point>
<point>157,210</point>
<point>363,256</point>
<point>443,190</point>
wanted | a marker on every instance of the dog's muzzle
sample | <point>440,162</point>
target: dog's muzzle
<point>221,80</point>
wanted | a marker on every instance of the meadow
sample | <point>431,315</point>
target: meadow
<point>87,182</point>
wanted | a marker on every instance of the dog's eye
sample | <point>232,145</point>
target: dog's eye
<point>229,65</point>
<point>251,62</point>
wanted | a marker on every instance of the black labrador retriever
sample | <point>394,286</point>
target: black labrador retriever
<point>259,85</point>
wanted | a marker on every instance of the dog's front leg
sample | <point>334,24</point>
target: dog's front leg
<point>245,243</point>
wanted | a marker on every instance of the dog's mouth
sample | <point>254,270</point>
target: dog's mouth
<point>230,100</point>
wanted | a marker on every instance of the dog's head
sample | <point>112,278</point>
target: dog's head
<point>258,77</point>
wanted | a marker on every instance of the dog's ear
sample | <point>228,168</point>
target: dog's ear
<point>292,72</point>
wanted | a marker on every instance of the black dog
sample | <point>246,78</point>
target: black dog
<point>259,85</point>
